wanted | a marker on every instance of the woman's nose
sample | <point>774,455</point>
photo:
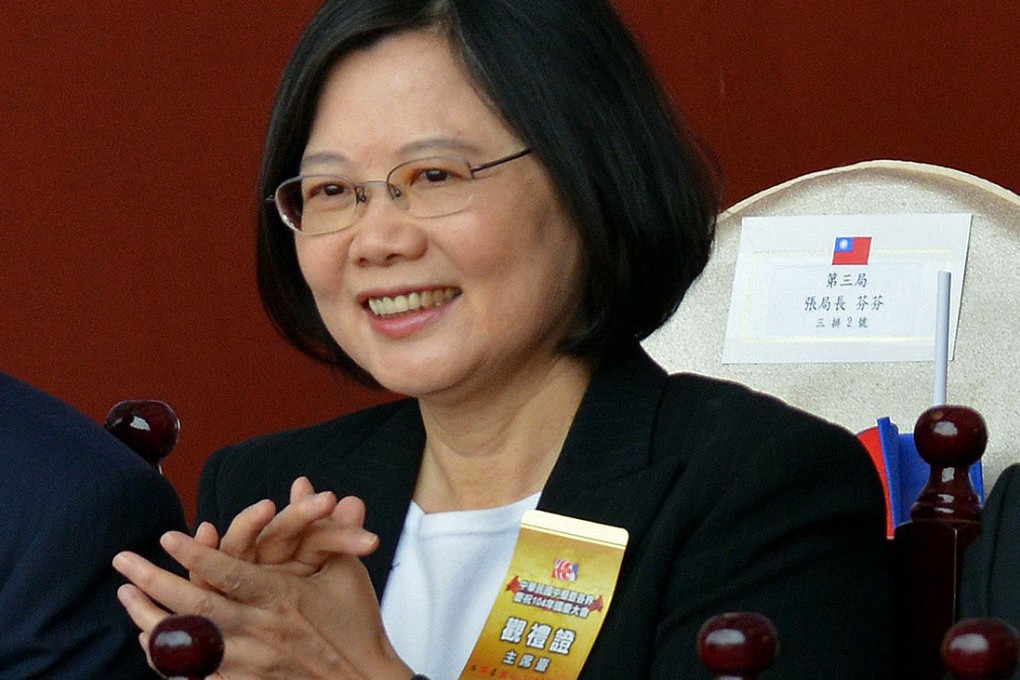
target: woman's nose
<point>383,233</point>
<point>391,190</point>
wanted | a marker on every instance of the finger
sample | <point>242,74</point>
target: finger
<point>343,534</point>
<point>327,540</point>
<point>175,593</point>
<point>235,579</point>
<point>143,611</point>
<point>143,640</point>
<point>350,511</point>
<point>207,535</point>
<point>280,539</point>
<point>319,545</point>
<point>239,541</point>
<point>300,488</point>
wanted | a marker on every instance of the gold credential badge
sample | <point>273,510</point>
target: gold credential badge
<point>555,597</point>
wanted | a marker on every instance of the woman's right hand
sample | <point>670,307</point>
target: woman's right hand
<point>276,623</point>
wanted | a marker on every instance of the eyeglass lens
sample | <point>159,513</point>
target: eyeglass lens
<point>427,187</point>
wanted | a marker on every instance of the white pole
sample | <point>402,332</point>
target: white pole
<point>938,389</point>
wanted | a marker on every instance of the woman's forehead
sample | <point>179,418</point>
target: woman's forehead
<point>407,93</point>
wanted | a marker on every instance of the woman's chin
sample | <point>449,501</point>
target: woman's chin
<point>413,378</point>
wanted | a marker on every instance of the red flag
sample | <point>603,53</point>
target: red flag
<point>851,250</point>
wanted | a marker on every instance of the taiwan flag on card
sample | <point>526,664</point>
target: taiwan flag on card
<point>851,250</point>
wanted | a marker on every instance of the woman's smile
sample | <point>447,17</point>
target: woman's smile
<point>399,316</point>
<point>400,305</point>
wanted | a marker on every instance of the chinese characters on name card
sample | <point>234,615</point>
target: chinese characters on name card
<point>843,288</point>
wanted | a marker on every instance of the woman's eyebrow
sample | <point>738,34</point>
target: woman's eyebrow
<point>429,145</point>
<point>323,158</point>
<point>433,144</point>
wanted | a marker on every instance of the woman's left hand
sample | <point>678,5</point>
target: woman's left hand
<point>300,537</point>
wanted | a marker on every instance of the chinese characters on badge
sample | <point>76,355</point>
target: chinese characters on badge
<point>558,588</point>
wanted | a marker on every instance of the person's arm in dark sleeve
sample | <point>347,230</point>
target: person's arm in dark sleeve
<point>991,575</point>
<point>61,617</point>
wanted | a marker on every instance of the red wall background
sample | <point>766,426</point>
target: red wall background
<point>130,136</point>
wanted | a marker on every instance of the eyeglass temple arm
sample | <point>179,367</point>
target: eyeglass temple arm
<point>505,159</point>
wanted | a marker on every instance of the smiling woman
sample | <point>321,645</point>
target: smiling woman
<point>544,208</point>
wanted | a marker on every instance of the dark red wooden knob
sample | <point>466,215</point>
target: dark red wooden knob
<point>149,427</point>
<point>738,645</point>
<point>981,649</point>
<point>950,436</point>
<point>950,439</point>
<point>186,647</point>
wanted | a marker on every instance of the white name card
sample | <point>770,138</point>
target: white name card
<point>843,288</point>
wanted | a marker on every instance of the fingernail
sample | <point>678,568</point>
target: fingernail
<point>263,506</point>
<point>123,561</point>
<point>171,540</point>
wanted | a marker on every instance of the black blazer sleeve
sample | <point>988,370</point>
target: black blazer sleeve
<point>796,535</point>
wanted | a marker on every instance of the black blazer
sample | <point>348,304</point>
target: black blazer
<point>74,497</point>
<point>991,573</point>
<point>733,500</point>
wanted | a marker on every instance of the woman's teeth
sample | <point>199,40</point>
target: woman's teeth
<point>387,306</point>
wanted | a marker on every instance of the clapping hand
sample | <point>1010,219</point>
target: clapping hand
<point>288,591</point>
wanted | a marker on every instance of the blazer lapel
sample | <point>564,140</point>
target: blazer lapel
<point>607,455</point>
<point>382,470</point>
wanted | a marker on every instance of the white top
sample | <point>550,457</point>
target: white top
<point>447,571</point>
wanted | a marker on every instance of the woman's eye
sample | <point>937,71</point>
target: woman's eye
<point>323,190</point>
<point>434,175</point>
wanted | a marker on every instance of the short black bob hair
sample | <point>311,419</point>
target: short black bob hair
<point>570,81</point>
